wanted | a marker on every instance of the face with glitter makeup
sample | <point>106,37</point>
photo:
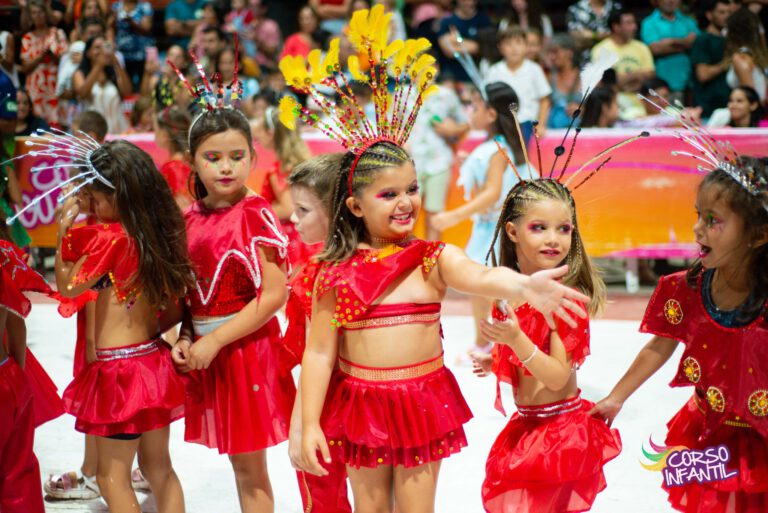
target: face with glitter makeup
<point>223,163</point>
<point>390,205</point>
<point>542,236</point>
<point>720,232</point>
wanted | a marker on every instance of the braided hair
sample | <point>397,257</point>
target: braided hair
<point>582,274</point>
<point>347,230</point>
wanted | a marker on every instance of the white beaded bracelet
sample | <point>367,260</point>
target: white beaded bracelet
<point>528,360</point>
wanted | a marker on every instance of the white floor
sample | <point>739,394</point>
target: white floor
<point>207,477</point>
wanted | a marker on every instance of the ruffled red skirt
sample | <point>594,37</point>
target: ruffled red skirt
<point>45,396</point>
<point>127,390</point>
<point>549,458</point>
<point>242,402</point>
<point>394,416</point>
<point>746,492</point>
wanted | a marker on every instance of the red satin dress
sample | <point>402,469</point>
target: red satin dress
<point>326,494</point>
<point>728,368</point>
<point>298,252</point>
<point>24,404</point>
<point>395,415</point>
<point>130,389</point>
<point>242,402</point>
<point>550,457</point>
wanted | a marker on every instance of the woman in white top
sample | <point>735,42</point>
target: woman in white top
<point>749,53</point>
<point>101,83</point>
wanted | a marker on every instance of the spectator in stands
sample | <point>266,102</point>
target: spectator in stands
<point>65,90</point>
<point>635,64</point>
<point>41,49</point>
<point>535,46</point>
<point>749,55</point>
<point>710,64</point>
<point>142,117</point>
<point>26,121</point>
<point>587,21</point>
<point>744,110</point>
<point>101,83</point>
<point>332,14</point>
<point>563,79</point>
<point>212,43</point>
<point>8,58</point>
<point>225,65</point>
<point>92,10</point>
<point>90,27</point>
<point>466,22</point>
<point>56,14</point>
<point>528,14</point>
<point>652,117</point>
<point>79,9</point>
<point>525,77</point>
<point>159,76</point>
<point>212,18</point>
<point>670,35</point>
<point>266,33</point>
<point>133,34</point>
<point>306,39</point>
<point>601,109</point>
<point>181,19</point>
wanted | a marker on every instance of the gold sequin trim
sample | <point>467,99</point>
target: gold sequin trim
<point>758,403</point>
<point>728,422</point>
<point>692,369</point>
<point>716,399</point>
<point>673,311</point>
<point>395,320</point>
<point>391,373</point>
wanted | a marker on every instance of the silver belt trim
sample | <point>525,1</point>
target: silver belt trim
<point>550,411</point>
<point>107,355</point>
<point>205,327</point>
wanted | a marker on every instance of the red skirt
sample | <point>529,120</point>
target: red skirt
<point>45,396</point>
<point>394,416</point>
<point>242,402</point>
<point>127,390</point>
<point>746,492</point>
<point>549,458</point>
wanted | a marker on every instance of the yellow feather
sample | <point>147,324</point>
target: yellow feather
<point>394,47</point>
<point>426,78</point>
<point>422,62</point>
<point>353,63</point>
<point>288,111</point>
<point>314,64</point>
<point>294,70</point>
<point>430,90</point>
<point>331,61</point>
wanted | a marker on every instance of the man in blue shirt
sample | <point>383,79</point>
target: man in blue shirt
<point>670,35</point>
<point>467,22</point>
<point>181,19</point>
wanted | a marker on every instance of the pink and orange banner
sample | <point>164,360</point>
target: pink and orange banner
<point>640,205</point>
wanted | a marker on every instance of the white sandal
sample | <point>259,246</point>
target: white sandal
<point>138,481</point>
<point>72,486</point>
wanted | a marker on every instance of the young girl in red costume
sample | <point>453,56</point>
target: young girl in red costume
<point>290,150</point>
<point>137,261</point>
<point>380,398</point>
<point>550,456</point>
<point>311,186</point>
<point>239,398</point>
<point>20,490</point>
<point>719,310</point>
<point>171,131</point>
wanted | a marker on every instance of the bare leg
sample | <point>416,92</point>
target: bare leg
<point>155,465</point>
<point>415,488</point>
<point>252,479</point>
<point>114,474</point>
<point>90,457</point>
<point>372,489</point>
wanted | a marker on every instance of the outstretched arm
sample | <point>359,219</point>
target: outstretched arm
<point>540,290</point>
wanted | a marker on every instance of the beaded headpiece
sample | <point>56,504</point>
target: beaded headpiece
<point>710,153</point>
<point>203,92</point>
<point>345,121</point>
<point>59,145</point>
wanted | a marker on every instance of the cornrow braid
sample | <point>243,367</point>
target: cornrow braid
<point>346,230</point>
<point>582,273</point>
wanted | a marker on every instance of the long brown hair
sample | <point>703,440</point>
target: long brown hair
<point>148,213</point>
<point>582,274</point>
<point>745,34</point>
<point>318,174</point>
<point>175,122</point>
<point>752,210</point>
<point>346,231</point>
<point>290,148</point>
<point>211,123</point>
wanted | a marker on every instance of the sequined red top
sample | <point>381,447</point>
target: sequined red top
<point>223,246</point>
<point>728,366</point>
<point>534,325</point>
<point>16,278</point>
<point>297,310</point>
<point>110,255</point>
<point>362,278</point>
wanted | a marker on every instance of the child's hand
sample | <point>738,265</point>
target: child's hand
<point>607,409</point>
<point>442,221</point>
<point>481,363</point>
<point>552,298</point>
<point>180,354</point>
<point>294,445</point>
<point>202,352</point>
<point>70,209</point>
<point>446,128</point>
<point>312,441</point>
<point>503,332</point>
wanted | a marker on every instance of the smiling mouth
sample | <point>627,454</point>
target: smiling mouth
<point>402,218</point>
<point>550,252</point>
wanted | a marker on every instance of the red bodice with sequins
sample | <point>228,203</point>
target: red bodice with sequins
<point>223,246</point>
<point>362,278</point>
<point>16,277</point>
<point>110,253</point>
<point>267,192</point>
<point>728,366</point>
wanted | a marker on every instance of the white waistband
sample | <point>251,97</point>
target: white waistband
<point>203,327</point>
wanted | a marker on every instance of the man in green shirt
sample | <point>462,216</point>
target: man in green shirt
<point>710,65</point>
